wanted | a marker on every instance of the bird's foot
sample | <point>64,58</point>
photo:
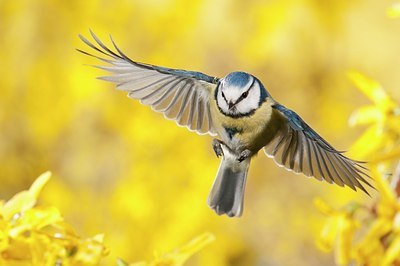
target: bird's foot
<point>244,155</point>
<point>217,147</point>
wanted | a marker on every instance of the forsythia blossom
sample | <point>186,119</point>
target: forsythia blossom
<point>35,235</point>
<point>381,140</point>
<point>378,234</point>
<point>373,237</point>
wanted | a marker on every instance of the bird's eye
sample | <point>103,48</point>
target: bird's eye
<point>244,95</point>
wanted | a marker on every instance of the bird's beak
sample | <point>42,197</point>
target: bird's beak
<point>230,105</point>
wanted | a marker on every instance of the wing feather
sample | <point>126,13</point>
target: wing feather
<point>192,110</point>
<point>286,148</point>
<point>294,150</point>
<point>181,95</point>
<point>307,159</point>
<point>200,114</point>
<point>299,148</point>
<point>186,102</point>
<point>315,158</point>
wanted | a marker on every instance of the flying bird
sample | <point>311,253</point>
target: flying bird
<point>240,113</point>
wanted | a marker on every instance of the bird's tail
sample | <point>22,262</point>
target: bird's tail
<point>226,196</point>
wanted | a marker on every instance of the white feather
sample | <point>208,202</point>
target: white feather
<point>228,93</point>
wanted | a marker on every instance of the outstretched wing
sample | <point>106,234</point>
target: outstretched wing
<point>179,94</point>
<point>299,148</point>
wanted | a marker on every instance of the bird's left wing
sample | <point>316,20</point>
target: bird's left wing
<point>299,148</point>
<point>181,95</point>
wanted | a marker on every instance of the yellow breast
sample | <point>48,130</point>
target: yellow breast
<point>250,132</point>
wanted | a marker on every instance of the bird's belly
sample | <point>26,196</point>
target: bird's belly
<point>245,135</point>
<point>248,132</point>
<point>252,141</point>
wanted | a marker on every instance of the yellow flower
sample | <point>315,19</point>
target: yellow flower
<point>373,90</point>
<point>388,204</point>
<point>32,235</point>
<point>90,251</point>
<point>370,249</point>
<point>379,240</point>
<point>392,254</point>
<point>380,244</point>
<point>383,119</point>
<point>24,200</point>
<point>338,231</point>
<point>179,256</point>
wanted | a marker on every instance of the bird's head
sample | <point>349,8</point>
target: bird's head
<point>240,94</point>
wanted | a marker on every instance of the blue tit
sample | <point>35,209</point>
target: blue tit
<point>239,110</point>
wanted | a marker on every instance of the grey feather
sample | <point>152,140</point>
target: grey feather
<point>317,157</point>
<point>227,193</point>
<point>200,114</point>
<point>166,90</point>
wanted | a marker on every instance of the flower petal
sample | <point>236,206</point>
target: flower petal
<point>393,154</point>
<point>392,254</point>
<point>347,228</point>
<point>193,246</point>
<point>386,193</point>
<point>323,207</point>
<point>327,237</point>
<point>372,89</point>
<point>366,115</point>
<point>21,202</point>
<point>35,219</point>
<point>369,142</point>
<point>39,183</point>
<point>25,200</point>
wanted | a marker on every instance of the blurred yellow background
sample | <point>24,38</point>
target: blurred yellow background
<point>123,170</point>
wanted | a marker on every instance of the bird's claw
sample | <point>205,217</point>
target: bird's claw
<point>217,147</point>
<point>244,155</point>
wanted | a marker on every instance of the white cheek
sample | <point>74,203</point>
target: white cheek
<point>250,103</point>
<point>221,102</point>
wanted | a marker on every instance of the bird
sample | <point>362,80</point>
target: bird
<point>241,116</point>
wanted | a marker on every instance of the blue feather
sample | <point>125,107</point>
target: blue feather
<point>237,79</point>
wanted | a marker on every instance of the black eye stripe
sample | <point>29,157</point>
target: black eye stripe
<point>223,96</point>
<point>244,94</point>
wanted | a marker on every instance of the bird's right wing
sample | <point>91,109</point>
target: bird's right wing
<point>181,95</point>
<point>299,148</point>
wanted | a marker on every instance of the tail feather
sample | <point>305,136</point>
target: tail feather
<point>226,196</point>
